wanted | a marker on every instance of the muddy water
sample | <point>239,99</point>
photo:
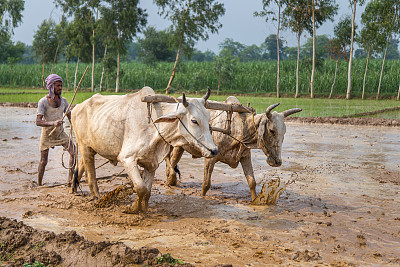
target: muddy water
<point>341,205</point>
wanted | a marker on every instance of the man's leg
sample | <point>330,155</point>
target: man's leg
<point>42,165</point>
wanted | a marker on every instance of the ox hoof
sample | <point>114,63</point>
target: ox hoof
<point>131,210</point>
<point>171,180</point>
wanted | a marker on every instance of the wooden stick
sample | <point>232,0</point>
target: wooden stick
<point>72,100</point>
<point>209,104</point>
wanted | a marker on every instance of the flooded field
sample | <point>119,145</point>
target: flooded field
<point>341,206</point>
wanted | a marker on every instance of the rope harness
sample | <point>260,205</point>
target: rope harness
<point>149,106</point>
<point>243,142</point>
<point>75,163</point>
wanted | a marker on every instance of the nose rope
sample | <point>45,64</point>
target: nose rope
<point>198,141</point>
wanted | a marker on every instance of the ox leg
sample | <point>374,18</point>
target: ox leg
<point>139,184</point>
<point>148,177</point>
<point>171,161</point>
<point>249,173</point>
<point>88,159</point>
<point>209,164</point>
<point>79,169</point>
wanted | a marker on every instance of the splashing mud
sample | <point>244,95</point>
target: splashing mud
<point>270,192</point>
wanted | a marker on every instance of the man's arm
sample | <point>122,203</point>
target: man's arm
<point>43,123</point>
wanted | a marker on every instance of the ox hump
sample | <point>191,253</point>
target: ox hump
<point>147,91</point>
<point>232,100</point>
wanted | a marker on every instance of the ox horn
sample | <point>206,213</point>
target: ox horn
<point>207,94</point>
<point>291,111</point>
<point>184,101</point>
<point>268,111</point>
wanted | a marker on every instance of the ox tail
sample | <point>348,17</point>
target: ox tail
<point>75,181</point>
<point>176,169</point>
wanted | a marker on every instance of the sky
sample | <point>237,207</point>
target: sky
<point>238,22</point>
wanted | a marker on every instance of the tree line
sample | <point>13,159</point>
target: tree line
<point>102,31</point>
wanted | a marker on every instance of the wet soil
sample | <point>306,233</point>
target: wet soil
<point>340,207</point>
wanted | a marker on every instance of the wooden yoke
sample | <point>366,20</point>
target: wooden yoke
<point>229,108</point>
<point>209,104</point>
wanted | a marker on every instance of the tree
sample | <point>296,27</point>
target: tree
<point>132,51</point>
<point>229,47</point>
<point>385,15</point>
<point>267,13</point>
<point>393,49</point>
<point>340,46</point>
<point>206,56</point>
<point>10,16</point>
<point>297,18</point>
<point>78,33</point>
<point>45,42</point>
<point>62,39</point>
<point>191,21</point>
<point>12,53</point>
<point>90,7</point>
<point>9,49</point>
<point>122,18</point>
<point>321,45</point>
<point>321,11</point>
<point>251,53</point>
<point>271,46</point>
<point>371,41</point>
<point>156,46</point>
<point>354,4</point>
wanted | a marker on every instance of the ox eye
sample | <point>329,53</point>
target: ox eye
<point>272,132</point>
<point>195,122</point>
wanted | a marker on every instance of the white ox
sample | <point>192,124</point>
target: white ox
<point>118,129</point>
<point>265,131</point>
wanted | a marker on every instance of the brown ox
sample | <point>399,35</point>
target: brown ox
<point>118,129</point>
<point>264,131</point>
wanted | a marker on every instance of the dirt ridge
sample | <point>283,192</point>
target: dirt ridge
<point>22,244</point>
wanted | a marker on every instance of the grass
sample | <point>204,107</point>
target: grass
<point>317,107</point>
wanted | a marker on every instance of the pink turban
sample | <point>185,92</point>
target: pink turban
<point>50,80</point>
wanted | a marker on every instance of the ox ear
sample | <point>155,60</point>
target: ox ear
<point>170,117</point>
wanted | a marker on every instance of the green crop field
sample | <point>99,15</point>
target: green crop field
<point>317,107</point>
<point>248,77</point>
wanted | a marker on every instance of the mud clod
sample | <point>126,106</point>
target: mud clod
<point>306,256</point>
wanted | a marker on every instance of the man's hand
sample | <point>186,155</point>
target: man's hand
<point>58,123</point>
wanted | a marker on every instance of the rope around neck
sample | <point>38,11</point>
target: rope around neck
<point>184,126</point>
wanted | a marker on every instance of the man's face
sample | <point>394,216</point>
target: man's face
<point>57,88</point>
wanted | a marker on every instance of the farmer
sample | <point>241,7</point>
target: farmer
<point>49,115</point>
